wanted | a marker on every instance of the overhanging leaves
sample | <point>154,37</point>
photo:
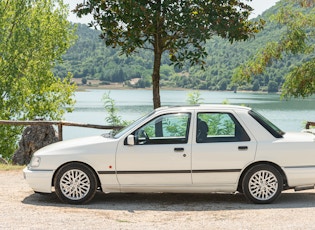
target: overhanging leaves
<point>298,38</point>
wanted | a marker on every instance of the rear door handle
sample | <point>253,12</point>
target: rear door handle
<point>242,147</point>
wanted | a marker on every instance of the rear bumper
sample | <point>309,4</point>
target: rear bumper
<point>39,180</point>
<point>300,175</point>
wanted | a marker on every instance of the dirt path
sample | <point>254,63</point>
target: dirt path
<point>22,209</point>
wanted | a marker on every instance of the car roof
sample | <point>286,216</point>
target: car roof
<point>205,106</point>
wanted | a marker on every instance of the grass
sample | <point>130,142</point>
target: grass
<point>10,167</point>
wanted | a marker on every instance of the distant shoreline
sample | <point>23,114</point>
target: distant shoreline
<point>82,88</point>
<point>95,84</point>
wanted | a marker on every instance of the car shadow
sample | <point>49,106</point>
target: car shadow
<point>176,202</point>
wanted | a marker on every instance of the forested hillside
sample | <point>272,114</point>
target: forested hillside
<point>89,58</point>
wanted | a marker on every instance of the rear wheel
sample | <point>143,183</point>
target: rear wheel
<point>75,183</point>
<point>262,184</point>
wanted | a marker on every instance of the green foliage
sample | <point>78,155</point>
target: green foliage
<point>177,129</point>
<point>142,83</point>
<point>300,81</point>
<point>193,98</point>
<point>171,126</point>
<point>218,124</point>
<point>256,85</point>
<point>225,102</point>
<point>134,24</point>
<point>297,37</point>
<point>180,28</point>
<point>90,58</point>
<point>272,87</point>
<point>33,37</point>
<point>112,118</point>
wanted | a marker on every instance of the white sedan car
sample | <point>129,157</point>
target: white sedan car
<point>192,149</point>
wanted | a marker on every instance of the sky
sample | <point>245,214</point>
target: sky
<point>259,7</point>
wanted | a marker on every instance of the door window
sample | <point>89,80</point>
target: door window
<point>219,127</point>
<point>165,129</point>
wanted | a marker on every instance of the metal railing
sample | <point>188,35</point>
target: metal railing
<point>60,125</point>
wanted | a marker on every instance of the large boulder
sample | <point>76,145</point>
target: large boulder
<point>33,138</point>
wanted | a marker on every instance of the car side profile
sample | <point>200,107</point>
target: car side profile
<point>185,149</point>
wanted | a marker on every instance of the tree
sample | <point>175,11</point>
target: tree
<point>272,87</point>
<point>33,36</point>
<point>256,85</point>
<point>180,28</point>
<point>223,84</point>
<point>298,38</point>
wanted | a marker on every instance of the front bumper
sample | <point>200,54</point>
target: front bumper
<point>39,180</point>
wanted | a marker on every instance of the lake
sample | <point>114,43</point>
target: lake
<point>288,115</point>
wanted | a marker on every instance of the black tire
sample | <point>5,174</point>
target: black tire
<point>75,183</point>
<point>262,184</point>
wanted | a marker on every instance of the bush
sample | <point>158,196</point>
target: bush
<point>84,80</point>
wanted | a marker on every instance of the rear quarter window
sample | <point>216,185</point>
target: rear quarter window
<point>268,125</point>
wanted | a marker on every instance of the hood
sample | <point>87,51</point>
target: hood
<point>75,145</point>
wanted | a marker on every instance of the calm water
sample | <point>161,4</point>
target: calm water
<point>288,115</point>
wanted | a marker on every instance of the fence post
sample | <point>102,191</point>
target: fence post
<point>60,136</point>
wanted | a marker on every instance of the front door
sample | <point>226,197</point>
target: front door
<point>161,155</point>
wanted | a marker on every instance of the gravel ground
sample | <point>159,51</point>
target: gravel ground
<point>22,209</point>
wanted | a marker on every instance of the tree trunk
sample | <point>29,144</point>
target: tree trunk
<point>156,79</point>
<point>158,50</point>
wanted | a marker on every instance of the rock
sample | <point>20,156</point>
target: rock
<point>33,138</point>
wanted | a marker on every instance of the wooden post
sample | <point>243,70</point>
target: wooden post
<point>60,136</point>
<point>308,124</point>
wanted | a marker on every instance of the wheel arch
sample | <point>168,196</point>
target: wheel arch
<point>80,162</point>
<point>284,177</point>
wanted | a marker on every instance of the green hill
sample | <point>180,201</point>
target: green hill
<point>89,58</point>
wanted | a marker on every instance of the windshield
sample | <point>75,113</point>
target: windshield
<point>268,125</point>
<point>132,125</point>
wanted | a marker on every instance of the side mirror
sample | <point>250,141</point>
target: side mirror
<point>131,140</point>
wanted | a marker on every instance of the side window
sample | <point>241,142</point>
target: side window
<point>219,127</point>
<point>165,129</point>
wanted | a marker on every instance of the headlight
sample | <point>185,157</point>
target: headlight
<point>35,161</point>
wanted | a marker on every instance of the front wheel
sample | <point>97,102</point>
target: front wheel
<point>75,183</point>
<point>262,184</point>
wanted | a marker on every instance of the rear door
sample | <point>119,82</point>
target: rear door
<point>223,152</point>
